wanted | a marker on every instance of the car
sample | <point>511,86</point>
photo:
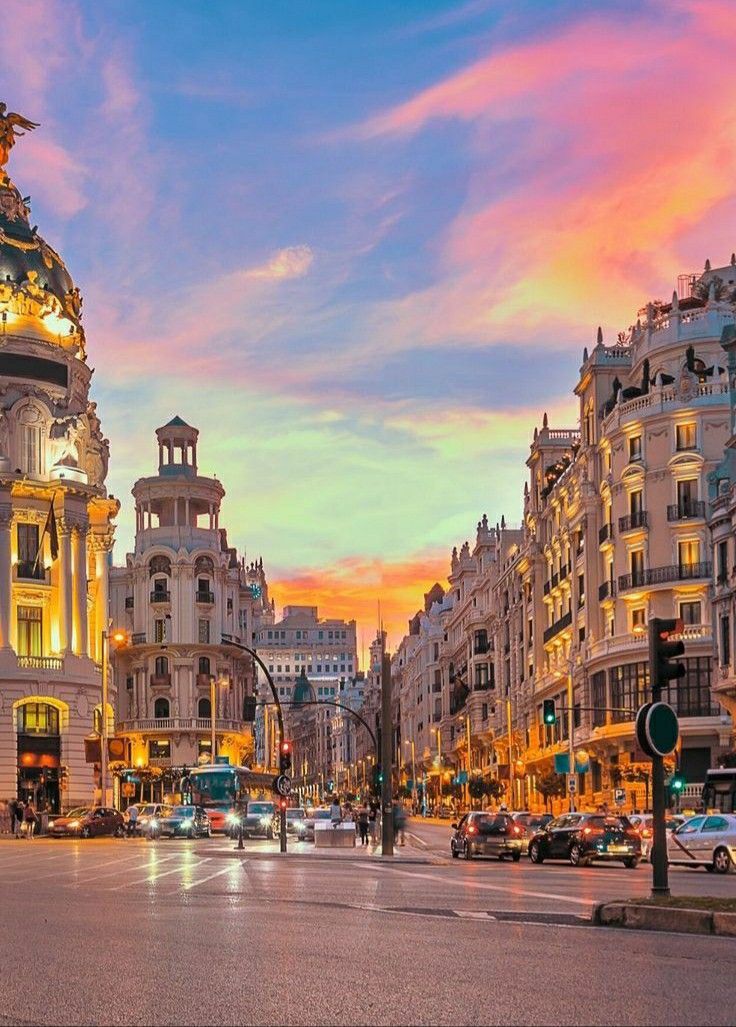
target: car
<point>314,814</point>
<point>704,841</point>
<point>486,834</point>
<point>219,816</point>
<point>181,822</point>
<point>582,838</point>
<point>445,812</point>
<point>644,824</point>
<point>146,812</point>
<point>296,822</point>
<point>88,822</point>
<point>531,823</point>
<point>257,822</point>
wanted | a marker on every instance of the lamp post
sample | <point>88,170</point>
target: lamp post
<point>120,638</point>
<point>439,757</point>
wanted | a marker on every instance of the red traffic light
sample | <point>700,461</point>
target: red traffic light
<point>674,626</point>
<point>283,803</point>
<point>285,747</point>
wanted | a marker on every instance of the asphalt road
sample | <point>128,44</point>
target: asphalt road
<point>180,932</point>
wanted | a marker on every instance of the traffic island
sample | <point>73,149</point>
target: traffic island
<point>685,915</point>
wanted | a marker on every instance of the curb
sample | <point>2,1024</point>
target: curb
<point>322,858</point>
<point>664,918</point>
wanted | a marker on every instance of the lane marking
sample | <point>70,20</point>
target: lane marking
<point>218,873</point>
<point>496,887</point>
<point>167,873</point>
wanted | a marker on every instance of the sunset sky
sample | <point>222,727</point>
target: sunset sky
<point>361,245</point>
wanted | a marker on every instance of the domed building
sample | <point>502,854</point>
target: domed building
<point>56,529</point>
<point>186,600</point>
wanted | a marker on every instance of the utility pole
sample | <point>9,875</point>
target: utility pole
<point>387,810</point>
<point>571,745</point>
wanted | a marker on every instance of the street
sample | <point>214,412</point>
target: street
<point>187,932</point>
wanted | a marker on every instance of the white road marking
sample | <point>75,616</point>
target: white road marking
<point>156,877</point>
<point>111,873</point>
<point>495,887</point>
<point>218,873</point>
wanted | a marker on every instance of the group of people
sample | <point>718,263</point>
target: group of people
<point>18,818</point>
<point>366,817</point>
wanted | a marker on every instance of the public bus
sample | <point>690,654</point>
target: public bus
<point>719,790</point>
<point>220,788</point>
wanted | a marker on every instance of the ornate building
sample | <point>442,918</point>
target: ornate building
<point>55,516</point>
<point>184,597</point>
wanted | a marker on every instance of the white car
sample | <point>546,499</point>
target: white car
<point>644,824</point>
<point>704,841</point>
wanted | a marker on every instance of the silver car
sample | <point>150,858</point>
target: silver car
<point>321,813</point>
<point>644,824</point>
<point>704,841</point>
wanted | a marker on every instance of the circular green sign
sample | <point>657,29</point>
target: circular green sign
<point>661,728</point>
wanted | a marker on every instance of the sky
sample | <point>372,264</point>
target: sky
<point>361,246</point>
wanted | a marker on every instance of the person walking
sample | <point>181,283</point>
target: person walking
<point>132,821</point>
<point>18,810</point>
<point>29,817</point>
<point>363,823</point>
<point>335,812</point>
<point>399,823</point>
<point>373,820</point>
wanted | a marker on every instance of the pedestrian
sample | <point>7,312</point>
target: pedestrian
<point>132,821</point>
<point>29,817</point>
<point>18,810</point>
<point>399,823</point>
<point>363,823</point>
<point>5,817</point>
<point>335,812</point>
<point>373,819</point>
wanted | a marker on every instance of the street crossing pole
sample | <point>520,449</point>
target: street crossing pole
<point>387,817</point>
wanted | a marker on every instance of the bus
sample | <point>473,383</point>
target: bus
<point>220,788</point>
<point>719,790</point>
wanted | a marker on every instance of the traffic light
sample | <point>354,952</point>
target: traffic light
<point>677,782</point>
<point>662,652</point>
<point>249,709</point>
<point>377,779</point>
<point>285,757</point>
<point>283,803</point>
<point>548,711</point>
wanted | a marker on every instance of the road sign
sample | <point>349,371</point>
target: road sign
<point>572,784</point>
<point>562,763</point>
<point>619,796</point>
<point>657,729</point>
<point>283,784</point>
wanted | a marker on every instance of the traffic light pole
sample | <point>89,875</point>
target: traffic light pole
<point>387,810</point>
<point>229,640</point>
<point>658,651</point>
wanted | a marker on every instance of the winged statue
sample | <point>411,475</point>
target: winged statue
<point>10,124</point>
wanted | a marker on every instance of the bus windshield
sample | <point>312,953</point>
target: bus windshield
<point>719,790</point>
<point>221,787</point>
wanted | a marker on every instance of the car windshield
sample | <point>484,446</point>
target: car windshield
<point>295,814</point>
<point>321,814</point>
<point>260,807</point>
<point>487,823</point>
<point>80,811</point>
<point>531,820</point>
<point>145,811</point>
<point>179,811</point>
<point>608,823</point>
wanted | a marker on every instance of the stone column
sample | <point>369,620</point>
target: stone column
<point>6,575</point>
<point>101,545</point>
<point>65,585</point>
<point>79,606</point>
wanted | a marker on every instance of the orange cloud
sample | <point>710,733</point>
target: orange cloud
<point>353,588</point>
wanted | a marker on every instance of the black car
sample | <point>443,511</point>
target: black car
<point>486,834</point>
<point>584,837</point>
<point>180,822</point>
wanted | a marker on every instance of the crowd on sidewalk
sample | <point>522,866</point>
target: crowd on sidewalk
<point>367,819</point>
<point>18,818</point>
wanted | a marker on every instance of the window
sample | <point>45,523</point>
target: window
<point>687,496</point>
<point>722,563</point>
<point>481,677</point>
<point>637,567</point>
<point>160,586</point>
<point>484,711</point>
<point>635,447</point>
<point>28,567</point>
<point>161,709</point>
<point>204,665</point>
<point>688,554</point>
<point>38,718</point>
<point>204,630</point>
<point>581,589</point>
<point>159,630</point>
<point>30,442</point>
<point>686,436</point>
<point>435,652</point>
<point>30,634</point>
<point>598,697</point>
<point>159,748</point>
<point>725,642</point>
<point>690,613</point>
<point>204,708</point>
<point>629,690</point>
<point>636,504</point>
<point>161,666</point>
<point>638,619</point>
<point>690,696</point>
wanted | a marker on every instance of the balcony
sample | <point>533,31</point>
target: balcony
<point>160,680</point>
<point>692,634</point>
<point>41,662</point>
<point>158,724</point>
<point>605,534</point>
<point>159,596</point>
<point>139,638</point>
<point>129,604</point>
<point>606,591</point>
<point>663,575</point>
<point>693,509</point>
<point>633,521</point>
<point>554,629</point>
<point>205,597</point>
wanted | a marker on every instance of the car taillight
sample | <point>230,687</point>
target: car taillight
<point>646,833</point>
<point>517,830</point>
<point>471,830</point>
<point>592,830</point>
<point>631,832</point>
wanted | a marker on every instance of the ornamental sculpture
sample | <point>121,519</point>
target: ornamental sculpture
<point>9,131</point>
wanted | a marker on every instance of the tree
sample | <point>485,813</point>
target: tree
<point>550,785</point>
<point>489,786</point>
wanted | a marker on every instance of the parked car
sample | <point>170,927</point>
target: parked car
<point>486,834</point>
<point>181,822</point>
<point>146,812</point>
<point>705,841</point>
<point>257,821</point>
<point>584,837</point>
<point>531,823</point>
<point>644,824</point>
<point>88,822</point>
<point>314,814</point>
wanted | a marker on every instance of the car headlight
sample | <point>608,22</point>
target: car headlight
<point>232,818</point>
<point>73,823</point>
<point>153,822</point>
<point>265,821</point>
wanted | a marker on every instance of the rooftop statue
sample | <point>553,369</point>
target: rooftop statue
<point>9,130</point>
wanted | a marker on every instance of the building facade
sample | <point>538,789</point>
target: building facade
<point>615,530</point>
<point>185,599</point>
<point>56,529</point>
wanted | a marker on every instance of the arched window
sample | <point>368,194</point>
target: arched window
<point>159,565</point>
<point>204,666</point>
<point>161,709</point>
<point>38,718</point>
<point>204,707</point>
<point>204,565</point>
<point>162,666</point>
